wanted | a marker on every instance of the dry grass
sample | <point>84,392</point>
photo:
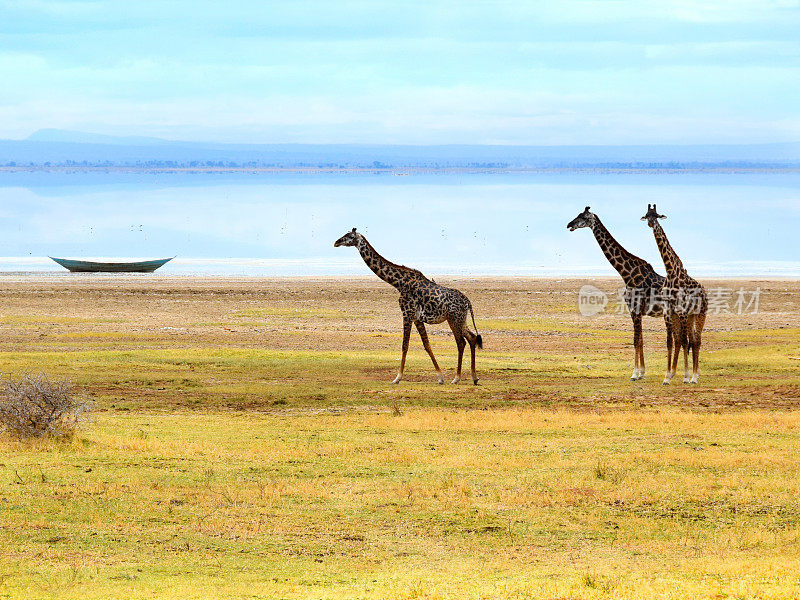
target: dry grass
<point>249,445</point>
<point>431,504</point>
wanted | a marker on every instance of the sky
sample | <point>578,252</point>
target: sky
<point>428,72</point>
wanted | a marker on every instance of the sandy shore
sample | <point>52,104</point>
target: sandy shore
<point>332,307</point>
<point>341,338</point>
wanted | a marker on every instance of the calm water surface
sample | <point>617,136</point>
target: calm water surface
<point>460,224</point>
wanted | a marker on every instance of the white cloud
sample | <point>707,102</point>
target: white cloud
<point>460,114</point>
<point>478,74</point>
<point>692,11</point>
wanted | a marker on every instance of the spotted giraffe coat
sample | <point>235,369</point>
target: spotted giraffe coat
<point>643,286</point>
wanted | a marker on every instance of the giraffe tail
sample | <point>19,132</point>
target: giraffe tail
<point>479,338</point>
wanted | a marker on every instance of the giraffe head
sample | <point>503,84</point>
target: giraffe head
<point>652,215</point>
<point>585,219</point>
<point>350,238</point>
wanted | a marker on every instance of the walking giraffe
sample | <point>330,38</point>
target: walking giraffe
<point>421,301</point>
<point>685,302</point>
<point>642,284</point>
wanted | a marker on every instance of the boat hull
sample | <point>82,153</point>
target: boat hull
<point>88,266</point>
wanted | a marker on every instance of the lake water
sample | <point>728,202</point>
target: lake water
<point>743,224</point>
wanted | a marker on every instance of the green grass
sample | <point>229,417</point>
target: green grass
<point>251,377</point>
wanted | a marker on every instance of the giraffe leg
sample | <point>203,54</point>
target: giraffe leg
<point>458,333</point>
<point>677,342</point>
<point>637,338</point>
<point>473,343</point>
<point>424,335</point>
<point>641,357</point>
<point>406,336</point>
<point>668,324</point>
<point>688,323</point>
<point>673,347</point>
<point>697,333</point>
<point>695,346</point>
<point>680,341</point>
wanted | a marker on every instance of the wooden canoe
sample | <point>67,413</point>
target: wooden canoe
<point>88,266</point>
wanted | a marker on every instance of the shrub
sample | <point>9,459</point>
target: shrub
<point>33,406</point>
<point>607,472</point>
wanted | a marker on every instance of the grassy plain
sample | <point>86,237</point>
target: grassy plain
<point>248,445</point>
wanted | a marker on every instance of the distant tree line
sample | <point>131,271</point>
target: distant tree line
<point>380,165</point>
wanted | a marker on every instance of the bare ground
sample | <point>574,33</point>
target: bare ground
<point>344,334</point>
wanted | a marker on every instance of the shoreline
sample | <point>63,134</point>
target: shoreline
<point>110,277</point>
<point>403,171</point>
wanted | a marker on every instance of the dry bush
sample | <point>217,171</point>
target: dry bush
<point>33,406</point>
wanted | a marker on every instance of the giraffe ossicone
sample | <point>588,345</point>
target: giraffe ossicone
<point>686,304</point>
<point>642,284</point>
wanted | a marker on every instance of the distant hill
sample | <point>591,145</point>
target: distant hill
<point>52,147</point>
<point>79,137</point>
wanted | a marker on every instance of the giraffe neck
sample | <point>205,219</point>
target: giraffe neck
<point>391,273</point>
<point>619,258</point>
<point>671,260</point>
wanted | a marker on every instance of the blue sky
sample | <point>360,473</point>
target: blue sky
<point>527,72</point>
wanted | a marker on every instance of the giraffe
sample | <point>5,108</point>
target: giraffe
<point>642,284</point>
<point>686,302</point>
<point>421,301</point>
